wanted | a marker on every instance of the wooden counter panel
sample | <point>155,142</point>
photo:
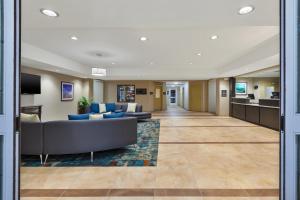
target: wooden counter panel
<point>270,117</point>
<point>252,114</point>
<point>239,111</point>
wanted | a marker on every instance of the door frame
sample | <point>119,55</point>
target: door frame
<point>290,117</point>
<point>8,125</point>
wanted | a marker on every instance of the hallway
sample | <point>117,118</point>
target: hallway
<point>201,156</point>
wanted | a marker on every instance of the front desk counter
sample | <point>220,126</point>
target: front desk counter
<point>265,113</point>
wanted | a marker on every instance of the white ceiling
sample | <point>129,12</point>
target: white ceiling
<point>269,72</point>
<point>176,29</point>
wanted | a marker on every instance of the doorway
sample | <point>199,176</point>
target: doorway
<point>158,99</point>
<point>172,97</point>
<point>289,108</point>
<point>175,94</point>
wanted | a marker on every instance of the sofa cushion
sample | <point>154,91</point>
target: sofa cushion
<point>110,107</point>
<point>124,107</point>
<point>95,107</point>
<point>79,117</point>
<point>118,106</point>
<point>102,107</point>
<point>139,108</point>
<point>95,116</point>
<point>131,107</point>
<point>29,117</point>
<point>113,115</point>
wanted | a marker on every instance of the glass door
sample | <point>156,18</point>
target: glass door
<point>290,96</point>
<point>9,65</point>
<point>172,98</point>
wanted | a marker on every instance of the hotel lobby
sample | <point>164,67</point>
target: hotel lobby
<point>150,100</point>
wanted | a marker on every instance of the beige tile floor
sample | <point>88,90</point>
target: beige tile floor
<point>197,150</point>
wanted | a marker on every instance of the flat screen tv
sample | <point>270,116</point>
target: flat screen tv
<point>141,91</point>
<point>30,84</point>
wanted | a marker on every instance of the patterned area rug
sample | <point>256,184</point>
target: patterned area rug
<point>142,154</point>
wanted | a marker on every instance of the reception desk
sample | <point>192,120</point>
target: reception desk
<point>265,113</point>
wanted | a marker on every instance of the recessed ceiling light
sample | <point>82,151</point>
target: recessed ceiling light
<point>246,10</point>
<point>74,38</point>
<point>49,13</point>
<point>214,37</point>
<point>143,39</point>
<point>190,63</point>
<point>198,54</point>
<point>113,63</point>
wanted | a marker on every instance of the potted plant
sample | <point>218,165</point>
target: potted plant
<point>83,105</point>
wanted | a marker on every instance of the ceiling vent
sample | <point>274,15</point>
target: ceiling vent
<point>99,54</point>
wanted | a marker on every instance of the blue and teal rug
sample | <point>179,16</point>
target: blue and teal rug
<point>143,154</point>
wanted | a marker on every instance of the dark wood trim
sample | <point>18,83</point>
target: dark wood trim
<point>232,81</point>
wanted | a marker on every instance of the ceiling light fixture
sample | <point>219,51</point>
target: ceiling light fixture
<point>49,13</point>
<point>214,37</point>
<point>74,38</point>
<point>98,71</point>
<point>246,10</point>
<point>113,63</point>
<point>198,54</point>
<point>143,39</point>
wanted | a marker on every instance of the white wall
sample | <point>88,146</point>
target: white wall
<point>110,92</point>
<point>186,96</point>
<point>98,91</point>
<point>50,98</point>
<point>263,83</point>
<point>212,95</point>
<point>222,102</point>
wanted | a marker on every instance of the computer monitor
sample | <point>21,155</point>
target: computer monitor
<point>251,96</point>
<point>275,95</point>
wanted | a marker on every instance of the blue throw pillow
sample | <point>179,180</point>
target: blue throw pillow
<point>95,108</point>
<point>78,117</point>
<point>113,115</point>
<point>110,107</point>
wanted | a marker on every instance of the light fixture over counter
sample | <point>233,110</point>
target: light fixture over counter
<point>98,71</point>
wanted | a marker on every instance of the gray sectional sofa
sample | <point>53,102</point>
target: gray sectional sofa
<point>72,137</point>
<point>139,114</point>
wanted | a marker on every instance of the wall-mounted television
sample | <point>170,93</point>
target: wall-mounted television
<point>30,84</point>
<point>141,91</point>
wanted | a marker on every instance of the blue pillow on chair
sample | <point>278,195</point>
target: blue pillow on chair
<point>95,108</point>
<point>113,115</point>
<point>110,107</point>
<point>78,117</point>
